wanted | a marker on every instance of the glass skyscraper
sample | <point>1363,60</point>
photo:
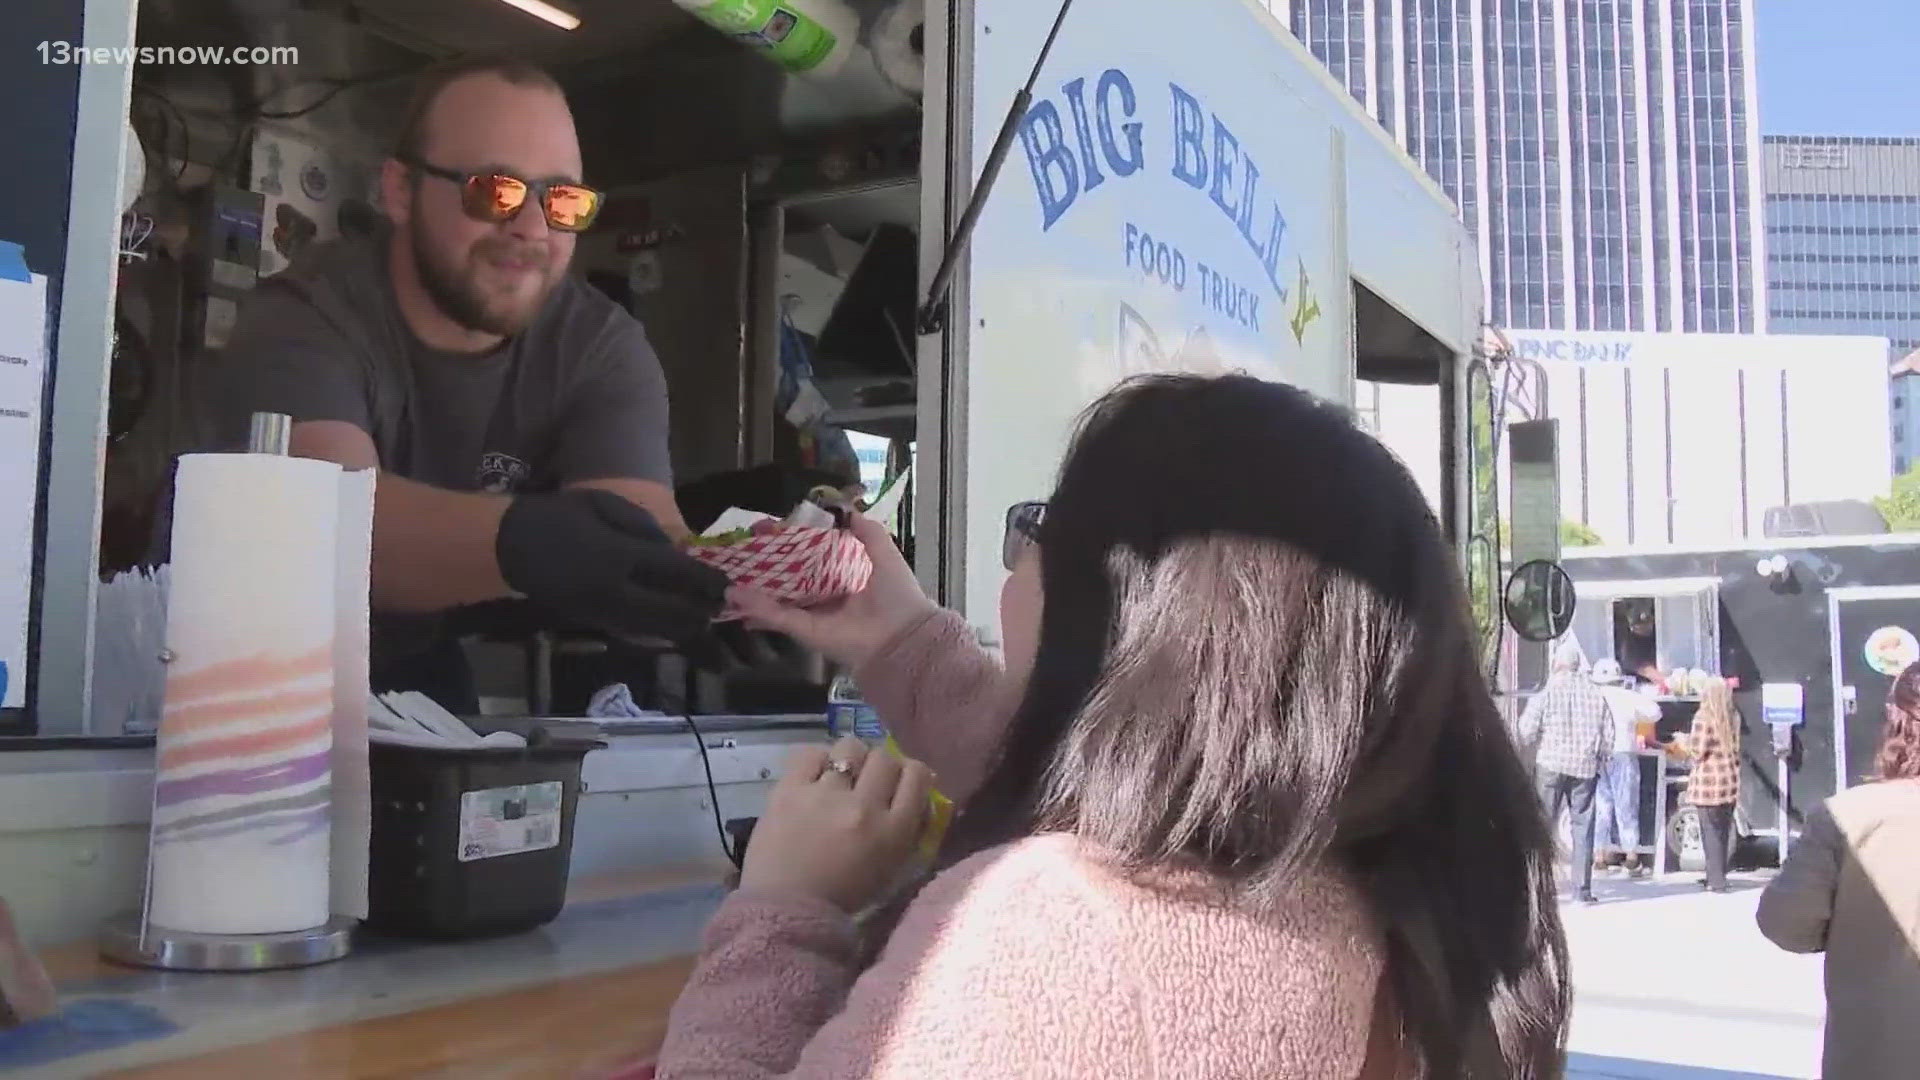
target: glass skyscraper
<point>1843,253</point>
<point>1843,237</point>
<point>1603,152</point>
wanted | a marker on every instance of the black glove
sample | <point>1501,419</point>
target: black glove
<point>596,558</point>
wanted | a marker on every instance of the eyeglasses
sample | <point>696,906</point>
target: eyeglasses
<point>496,197</point>
<point>1022,531</point>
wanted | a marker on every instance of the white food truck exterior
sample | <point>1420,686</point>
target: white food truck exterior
<point>1191,190</point>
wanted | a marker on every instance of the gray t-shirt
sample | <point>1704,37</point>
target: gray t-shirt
<point>578,395</point>
<point>325,340</point>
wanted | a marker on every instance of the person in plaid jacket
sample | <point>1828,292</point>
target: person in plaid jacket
<point>1570,724</point>
<point>1713,787</point>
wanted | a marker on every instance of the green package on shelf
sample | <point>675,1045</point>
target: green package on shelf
<point>793,32</point>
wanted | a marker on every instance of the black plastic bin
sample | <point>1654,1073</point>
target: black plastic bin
<point>471,842</point>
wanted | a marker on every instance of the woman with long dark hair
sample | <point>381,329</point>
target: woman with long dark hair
<point>1851,889</point>
<point>1238,804</point>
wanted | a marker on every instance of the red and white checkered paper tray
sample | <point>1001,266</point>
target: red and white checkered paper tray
<point>796,565</point>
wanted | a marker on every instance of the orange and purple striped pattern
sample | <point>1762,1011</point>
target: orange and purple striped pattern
<point>244,746</point>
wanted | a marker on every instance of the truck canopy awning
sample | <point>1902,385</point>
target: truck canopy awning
<point>1606,590</point>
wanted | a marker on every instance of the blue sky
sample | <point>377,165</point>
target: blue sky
<point>1839,67</point>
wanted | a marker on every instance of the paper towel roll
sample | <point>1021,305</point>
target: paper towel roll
<point>242,798</point>
<point>898,48</point>
<point>352,801</point>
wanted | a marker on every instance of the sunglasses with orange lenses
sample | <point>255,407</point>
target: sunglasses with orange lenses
<point>496,197</point>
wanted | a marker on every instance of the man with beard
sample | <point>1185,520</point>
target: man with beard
<point>518,417</point>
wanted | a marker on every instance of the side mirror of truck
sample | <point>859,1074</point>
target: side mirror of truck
<point>1539,601</point>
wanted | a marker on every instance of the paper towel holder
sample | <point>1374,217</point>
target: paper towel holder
<point>133,940</point>
<point>128,940</point>
<point>269,433</point>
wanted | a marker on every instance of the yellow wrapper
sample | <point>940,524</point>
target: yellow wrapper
<point>939,813</point>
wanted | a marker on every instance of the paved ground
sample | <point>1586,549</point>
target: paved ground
<point>1674,983</point>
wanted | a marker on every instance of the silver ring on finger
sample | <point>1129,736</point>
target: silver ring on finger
<point>842,768</point>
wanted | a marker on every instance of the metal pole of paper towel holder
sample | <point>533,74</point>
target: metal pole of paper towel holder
<point>269,433</point>
<point>132,939</point>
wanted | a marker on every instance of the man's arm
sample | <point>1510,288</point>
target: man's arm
<point>1604,729</point>
<point>1797,907</point>
<point>652,496</point>
<point>1529,727</point>
<point>433,549</point>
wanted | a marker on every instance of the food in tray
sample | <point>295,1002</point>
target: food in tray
<point>739,535</point>
<point>807,559</point>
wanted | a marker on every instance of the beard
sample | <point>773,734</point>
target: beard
<point>455,288</point>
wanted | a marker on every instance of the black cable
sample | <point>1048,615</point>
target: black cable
<point>337,86</point>
<point>249,117</point>
<point>132,359</point>
<point>295,114</point>
<point>168,121</point>
<point>713,793</point>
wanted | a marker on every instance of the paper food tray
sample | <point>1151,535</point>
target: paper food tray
<point>799,566</point>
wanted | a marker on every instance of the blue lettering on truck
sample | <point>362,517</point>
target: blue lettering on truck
<point>1101,137</point>
<point>1160,260</point>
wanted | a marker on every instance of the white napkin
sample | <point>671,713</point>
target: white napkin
<point>414,719</point>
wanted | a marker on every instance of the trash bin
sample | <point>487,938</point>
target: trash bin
<point>471,842</point>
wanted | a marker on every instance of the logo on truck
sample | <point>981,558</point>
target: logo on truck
<point>1101,139</point>
<point>1142,353</point>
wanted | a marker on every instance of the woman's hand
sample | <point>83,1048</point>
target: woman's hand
<point>839,825</point>
<point>852,630</point>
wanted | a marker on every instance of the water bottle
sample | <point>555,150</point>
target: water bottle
<point>849,714</point>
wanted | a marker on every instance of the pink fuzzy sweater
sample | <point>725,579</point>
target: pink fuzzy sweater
<point>1032,960</point>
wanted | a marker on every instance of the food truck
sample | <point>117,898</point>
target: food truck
<point>1813,629</point>
<point>974,217</point>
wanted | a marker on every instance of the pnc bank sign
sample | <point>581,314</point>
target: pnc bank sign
<point>1573,349</point>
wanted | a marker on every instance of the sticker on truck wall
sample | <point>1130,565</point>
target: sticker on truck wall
<point>1891,650</point>
<point>509,820</point>
<point>1140,351</point>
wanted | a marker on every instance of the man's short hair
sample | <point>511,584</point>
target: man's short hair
<point>428,85</point>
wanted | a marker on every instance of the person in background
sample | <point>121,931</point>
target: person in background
<point>1851,889</point>
<point>1569,723</point>
<point>1238,803</point>
<point>1617,796</point>
<point>1638,646</point>
<point>1713,784</point>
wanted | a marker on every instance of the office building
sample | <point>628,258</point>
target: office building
<point>1904,397</point>
<point>1843,237</point>
<point>1843,251</point>
<point>1604,152</point>
<point>1691,438</point>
